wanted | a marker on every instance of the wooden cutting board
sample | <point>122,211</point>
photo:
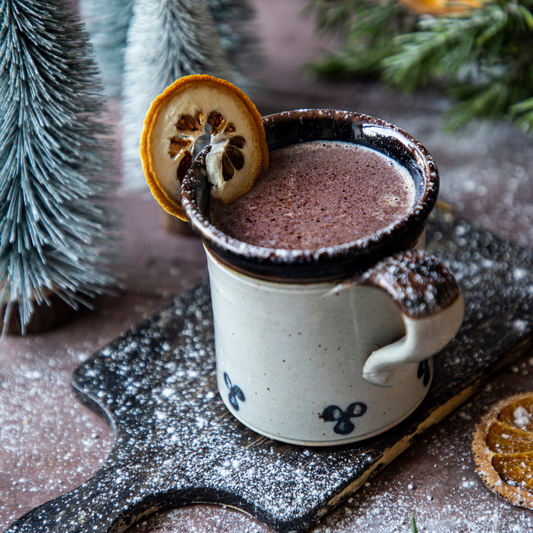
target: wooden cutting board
<point>176,444</point>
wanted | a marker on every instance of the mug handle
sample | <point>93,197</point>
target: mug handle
<point>432,309</point>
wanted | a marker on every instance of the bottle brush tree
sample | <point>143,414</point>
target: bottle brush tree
<point>55,226</point>
<point>234,22</point>
<point>168,39</point>
<point>107,23</point>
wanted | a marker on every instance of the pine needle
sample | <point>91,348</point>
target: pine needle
<point>522,113</point>
<point>361,23</point>
<point>413,524</point>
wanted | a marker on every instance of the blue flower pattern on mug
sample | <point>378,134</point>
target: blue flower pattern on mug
<point>424,372</point>
<point>344,425</point>
<point>235,393</point>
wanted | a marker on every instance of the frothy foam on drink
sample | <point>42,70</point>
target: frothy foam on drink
<point>318,194</point>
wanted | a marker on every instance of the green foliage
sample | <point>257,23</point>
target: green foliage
<point>484,57</point>
<point>413,524</point>
<point>333,16</point>
<point>522,113</point>
<point>361,23</point>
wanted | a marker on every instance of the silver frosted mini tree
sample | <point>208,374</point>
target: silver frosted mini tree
<point>167,39</point>
<point>107,23</point>
<point>55,228</point>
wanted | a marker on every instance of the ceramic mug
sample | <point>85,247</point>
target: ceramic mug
<point>329,346</point>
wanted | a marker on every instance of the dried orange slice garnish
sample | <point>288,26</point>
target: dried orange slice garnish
<point>191,109</point>
<point>503,449</point>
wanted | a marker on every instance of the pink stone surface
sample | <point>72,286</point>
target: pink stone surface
<point>50,443</point>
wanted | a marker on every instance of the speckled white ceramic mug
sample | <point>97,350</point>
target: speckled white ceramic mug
<point>330,346</point>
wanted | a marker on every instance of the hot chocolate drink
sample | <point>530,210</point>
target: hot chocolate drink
<point>318,194</point>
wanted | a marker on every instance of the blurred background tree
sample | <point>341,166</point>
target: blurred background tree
<point>107,23</point>
<point>143,46</point>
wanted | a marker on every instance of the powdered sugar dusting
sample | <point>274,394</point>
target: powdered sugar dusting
<point>521,417</point>
<point>447,496</point>
<point>177,444</point>
<point>416,281</point>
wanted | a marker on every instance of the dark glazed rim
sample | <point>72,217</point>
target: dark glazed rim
<point>303,125</point>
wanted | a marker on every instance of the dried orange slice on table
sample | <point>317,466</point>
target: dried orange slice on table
<point>502,446</point>
<point>190,110</point>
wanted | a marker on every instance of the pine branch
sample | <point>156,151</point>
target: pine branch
<point>372,17</point>
<point>332,15</point>
<point>446,47</point>
<point>366,43</point>
<point>55,228</point>
<point>354,60</point>
<point>484,56</point>
<point>488,101</point>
